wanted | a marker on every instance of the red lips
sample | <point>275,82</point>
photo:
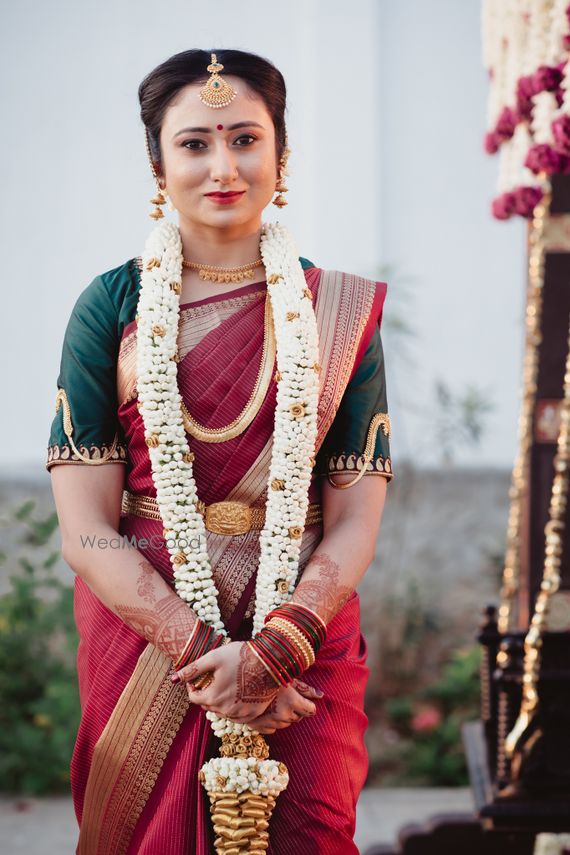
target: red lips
<point>226,195</point>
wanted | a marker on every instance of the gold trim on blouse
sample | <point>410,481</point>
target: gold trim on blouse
<point>339,463</point>
<point>93,457</point>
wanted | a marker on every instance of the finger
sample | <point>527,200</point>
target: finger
<point>205,663</point>
<point>300,704</point>
<point>196,698</point>
<point>305,707</point>
<point>308,691</point>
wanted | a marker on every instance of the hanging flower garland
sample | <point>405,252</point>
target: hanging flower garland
<point>525,51</point>
<point>294,439</point>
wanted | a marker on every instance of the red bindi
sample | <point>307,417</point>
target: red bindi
<point>220,127</point>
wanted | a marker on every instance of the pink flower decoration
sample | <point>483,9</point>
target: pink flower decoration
<point>506,124</point>
<point>525,91</point>
<point>491,143</point>
<point>426,719</point>
<point>561,134</point>
<point>503,206</point>
<point>547,78</point>
<point>526,200</point>
<point>543,158</point>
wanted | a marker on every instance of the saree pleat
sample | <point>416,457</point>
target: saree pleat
<point>141,742</point>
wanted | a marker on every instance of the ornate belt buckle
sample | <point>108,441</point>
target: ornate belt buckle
<point>228,517</point>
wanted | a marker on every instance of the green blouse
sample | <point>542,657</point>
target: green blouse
<point>86,428</point>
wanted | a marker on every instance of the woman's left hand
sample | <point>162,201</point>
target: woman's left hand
<point>241,688</point>
<point>291,704</point>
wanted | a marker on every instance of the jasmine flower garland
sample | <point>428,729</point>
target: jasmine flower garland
<point>171,460</point>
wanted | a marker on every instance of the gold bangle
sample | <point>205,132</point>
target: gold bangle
<point>294,634</point>
<point>296,637</point>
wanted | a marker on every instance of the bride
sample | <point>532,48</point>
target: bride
<point>220,416</point>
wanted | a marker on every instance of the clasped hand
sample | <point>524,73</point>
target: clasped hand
<point>243,691</point>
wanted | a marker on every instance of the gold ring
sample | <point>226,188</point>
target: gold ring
<point>204,681</point>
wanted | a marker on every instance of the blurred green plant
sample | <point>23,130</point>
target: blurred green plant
<point>435,755</point>
<point>429,686</point>
<point>460,418</point>
<point>425,726</point>
<point>39,697</point>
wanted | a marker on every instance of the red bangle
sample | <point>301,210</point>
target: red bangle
<point>266,652</point>
<point>306,620</point>
<point>201,640</point>
<point>297,665</point>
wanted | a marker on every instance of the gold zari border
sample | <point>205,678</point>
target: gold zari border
<point>132,746</point>
<point>93,454</point>
<point>355,463</point>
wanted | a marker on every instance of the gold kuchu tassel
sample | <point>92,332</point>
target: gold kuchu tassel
<point>241,819</point>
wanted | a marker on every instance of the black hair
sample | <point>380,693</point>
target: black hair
<point>161,85</point>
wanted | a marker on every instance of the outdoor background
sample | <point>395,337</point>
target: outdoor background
<point>388,179</point>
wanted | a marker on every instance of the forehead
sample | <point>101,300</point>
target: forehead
<point>186,107</point>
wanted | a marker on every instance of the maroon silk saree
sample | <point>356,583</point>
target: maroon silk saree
<point>141,742</point>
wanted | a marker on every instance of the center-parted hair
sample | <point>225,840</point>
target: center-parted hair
<point>162,84</point>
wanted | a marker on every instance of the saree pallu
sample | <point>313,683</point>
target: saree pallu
<point>141,742</point>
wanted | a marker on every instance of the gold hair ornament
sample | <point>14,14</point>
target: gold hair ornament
<point>217,92</point>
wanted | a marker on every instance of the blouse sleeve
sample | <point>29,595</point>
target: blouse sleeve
<point>359,438</point>
<point>86,428</point>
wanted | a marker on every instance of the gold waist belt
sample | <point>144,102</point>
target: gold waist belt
<point>219,517</point>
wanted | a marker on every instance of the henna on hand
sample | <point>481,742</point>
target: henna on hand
<point>190,672</point>
<point>254,684</point>
<point>145,582</point>
<point>323,594</point>
<point>166,623</point>
<point>306,690</point>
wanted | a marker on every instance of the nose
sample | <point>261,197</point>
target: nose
<point>223,166</point>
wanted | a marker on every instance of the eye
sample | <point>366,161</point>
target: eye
<point>246,136</point>
<point>187,144</point>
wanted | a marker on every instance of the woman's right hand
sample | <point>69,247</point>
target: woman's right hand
<point>291,704</point>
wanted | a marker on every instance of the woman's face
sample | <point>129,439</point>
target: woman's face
<point>202,153</point>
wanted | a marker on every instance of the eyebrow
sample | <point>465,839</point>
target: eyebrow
<point>209,130</point>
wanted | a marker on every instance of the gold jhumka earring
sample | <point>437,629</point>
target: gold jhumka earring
<point>161,195</point>
<point>281,187</point>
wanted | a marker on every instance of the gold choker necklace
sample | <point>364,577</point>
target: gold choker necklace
<point>210,273</point>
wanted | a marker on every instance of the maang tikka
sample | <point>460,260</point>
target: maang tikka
<point>217,92</point>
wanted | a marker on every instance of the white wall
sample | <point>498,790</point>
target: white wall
<point>468,269</point>
<point>378,93</point>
